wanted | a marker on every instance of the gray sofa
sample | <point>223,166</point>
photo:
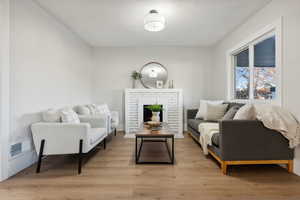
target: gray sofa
<point>244,142</point>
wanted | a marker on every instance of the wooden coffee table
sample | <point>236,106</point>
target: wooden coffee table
<point>162,136</point>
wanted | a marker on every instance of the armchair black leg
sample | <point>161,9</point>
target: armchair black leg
<point>115,131</point>
<point>38,169</point>
<point>80,156</point>
<point>104,143</point>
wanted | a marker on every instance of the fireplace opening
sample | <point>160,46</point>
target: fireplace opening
<point>148,114</point>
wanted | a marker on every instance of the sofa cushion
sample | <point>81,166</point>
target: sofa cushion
<point>215,139</point>
<point>96,134</point>
<point>194,123</point>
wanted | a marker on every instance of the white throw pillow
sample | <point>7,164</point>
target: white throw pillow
<point>51,115</point>
<point>215,111</point>
<point>83,110</point>
<point>203,108</point>
<point>246,112</point>
<point>69,116</point>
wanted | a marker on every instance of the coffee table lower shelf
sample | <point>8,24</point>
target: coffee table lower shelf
<point>153,138</point>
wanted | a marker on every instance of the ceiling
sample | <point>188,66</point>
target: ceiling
<point>120,22</point>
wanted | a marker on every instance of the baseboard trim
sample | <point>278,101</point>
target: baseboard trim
<point>21,162</point>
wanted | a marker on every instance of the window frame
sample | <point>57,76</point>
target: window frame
<point>274,29</point>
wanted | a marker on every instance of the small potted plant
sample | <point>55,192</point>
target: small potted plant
<point>135,76</point>
<point>155,109</point>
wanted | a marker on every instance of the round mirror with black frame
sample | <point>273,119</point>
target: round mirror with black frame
<point>154,75</point>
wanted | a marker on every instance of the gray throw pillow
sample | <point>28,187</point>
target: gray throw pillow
<point>229,115</point>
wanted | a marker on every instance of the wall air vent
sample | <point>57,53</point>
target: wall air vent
<point>15,149</point>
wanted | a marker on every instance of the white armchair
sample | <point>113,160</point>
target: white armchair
<point>68,138</point>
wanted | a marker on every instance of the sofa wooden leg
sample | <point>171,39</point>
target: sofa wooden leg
<point>115,131</point>
<point>38,169</point>
<point>80,157</point>
<point>290,166</point>
<point>224,167</point>
<point>104,143</point>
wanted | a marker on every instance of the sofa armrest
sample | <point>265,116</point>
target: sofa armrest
<point>60,138</point>
<point>191,113</point>
<point>115,117</point>
<point>251,140</point>
<point>96,121</point>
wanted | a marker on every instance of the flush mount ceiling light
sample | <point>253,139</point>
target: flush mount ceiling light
<point>154,22</point>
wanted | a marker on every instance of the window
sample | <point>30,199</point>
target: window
<point>255,68</point>
<point>265,69</point>
<point>241,75</point>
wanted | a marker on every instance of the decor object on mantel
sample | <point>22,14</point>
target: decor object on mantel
<point>154,22</point>
<point>159,84</point>
<point>135,76</point>
<point>154,75</point>
<point>155,112</point>
<point>171,84</point>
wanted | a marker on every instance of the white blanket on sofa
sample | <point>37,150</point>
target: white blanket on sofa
<point>281,120</point>
<point>207,130</point>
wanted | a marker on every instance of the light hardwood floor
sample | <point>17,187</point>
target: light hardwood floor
<point>112,174</point>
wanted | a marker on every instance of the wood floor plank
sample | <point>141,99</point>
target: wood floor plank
<point>112,174</point>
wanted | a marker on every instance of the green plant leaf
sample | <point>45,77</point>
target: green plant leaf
<point>155,108</point>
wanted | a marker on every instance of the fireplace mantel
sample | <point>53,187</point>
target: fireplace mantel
<point>172,102</point>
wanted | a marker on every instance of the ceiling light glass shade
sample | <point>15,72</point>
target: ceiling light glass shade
<point>154,22</point>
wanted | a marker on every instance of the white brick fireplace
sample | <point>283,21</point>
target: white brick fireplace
<point>170,99</point>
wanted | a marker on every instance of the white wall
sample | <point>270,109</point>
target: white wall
<point>290,11</point>
<point>189,68</point>
<point>50,67</point>
<point>4,87</point>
